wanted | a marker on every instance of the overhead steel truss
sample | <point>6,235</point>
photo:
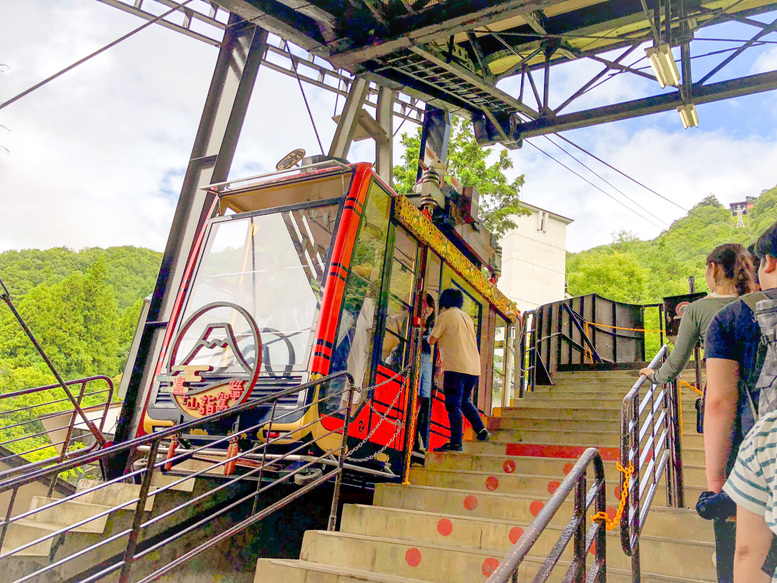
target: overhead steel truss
<point>456,54</point>
<point>206,22</point>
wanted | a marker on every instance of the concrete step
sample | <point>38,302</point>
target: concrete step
<point>553,421</point>
<point>522,508</point>
<point>582,400</point>
<point>112,494</point>
<point>501,535</point>
<point>291,571</point>
<point>23,532</point>
<point>534,484</point>
<point>65,514</point>
<point>445,563</point>
<point>503,464</point>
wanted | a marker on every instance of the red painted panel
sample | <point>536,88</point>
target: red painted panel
<point>609,454</point>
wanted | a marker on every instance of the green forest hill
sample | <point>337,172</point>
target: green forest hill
<point>644,272</point>
<point>83,307</point>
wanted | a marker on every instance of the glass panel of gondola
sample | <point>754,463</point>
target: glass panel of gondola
<point>355,340</point>
<point>272,265</point>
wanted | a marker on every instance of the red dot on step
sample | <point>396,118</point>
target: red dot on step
<point>515,534</point>
<point>618,492</point>
<point>492,483</point>
<point>444,527</point>
<point>470,502</point>
<point>509,466</point>
<point>535,507</point>
<point>568,468</point>
<point>553,486</point>
<point>489,566</point>
<point>413,557</point>
<point>611,512</point>
<point>592,550</point>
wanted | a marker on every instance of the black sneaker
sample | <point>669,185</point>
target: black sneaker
<point>448,447</point>
<point>483,435</point>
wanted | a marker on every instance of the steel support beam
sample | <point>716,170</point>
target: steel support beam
<point>349,118</point>
<point>639,107</point>
<point>384,154</point>
<point>214,147</point>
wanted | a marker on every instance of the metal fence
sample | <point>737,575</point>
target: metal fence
<point>583,537</point>
<point>651,445</point>
<point>243,483</point>
<point>38,428</point>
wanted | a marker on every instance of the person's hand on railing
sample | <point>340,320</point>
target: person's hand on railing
<point>649,373</point>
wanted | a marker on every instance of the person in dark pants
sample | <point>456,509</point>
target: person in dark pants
<point>454,333</point>
<point>731,352</point>
<point>425,377</point>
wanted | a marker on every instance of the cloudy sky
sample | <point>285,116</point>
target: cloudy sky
<point>96,157</point>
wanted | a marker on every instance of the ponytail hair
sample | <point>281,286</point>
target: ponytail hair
<point>736,264</point>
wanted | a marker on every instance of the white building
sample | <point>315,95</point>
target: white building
<point>534,259</point>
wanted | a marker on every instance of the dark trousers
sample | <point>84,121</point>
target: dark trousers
<point>457,387</point>
<point>725,543</point>
<point>423,420</point>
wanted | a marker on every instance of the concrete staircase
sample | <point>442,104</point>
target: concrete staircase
<point>464,511</point>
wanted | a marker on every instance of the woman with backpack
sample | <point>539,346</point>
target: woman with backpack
<point>732,355</point>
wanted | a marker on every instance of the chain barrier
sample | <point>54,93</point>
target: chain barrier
<point>398,423</point>
<point>612,524</point>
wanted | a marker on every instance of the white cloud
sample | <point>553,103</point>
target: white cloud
<point>765,61</point>
<point>683,166</point>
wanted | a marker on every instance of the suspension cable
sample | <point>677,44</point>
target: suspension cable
<point>634,180</point>
<point>608,183</point>
<point>94,54</point>
<point>604,191</point>
<point>304,97</point>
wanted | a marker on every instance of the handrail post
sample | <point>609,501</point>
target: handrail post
<point>579,542</point>
<point>341,459</point>
<point>129,552</point>
<point>677,447</point>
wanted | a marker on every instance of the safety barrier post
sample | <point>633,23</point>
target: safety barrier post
<point>129,552</point>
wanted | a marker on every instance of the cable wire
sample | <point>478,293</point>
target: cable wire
<point>604,191</point>
<point>94,54</point>
<point>610,184</point>
<point>304,97</point>
<point>634,180</point>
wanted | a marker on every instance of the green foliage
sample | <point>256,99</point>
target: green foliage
<point>644,272</point>
<point>131,271</point>
<point>83,308</point>
<point>471,165</point>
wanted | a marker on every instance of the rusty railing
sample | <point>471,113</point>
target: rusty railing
<point>242,484</point>
<point>583,537</point>
<point>30,432</point>
<point>651,445</point>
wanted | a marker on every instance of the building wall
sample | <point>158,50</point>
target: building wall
<point>534,259</point>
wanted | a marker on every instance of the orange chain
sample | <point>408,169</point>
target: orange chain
<point>612,524</point>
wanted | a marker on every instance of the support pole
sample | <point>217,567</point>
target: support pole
<point>349,118</point>
<point>384,147</point>
<point>222,119</point>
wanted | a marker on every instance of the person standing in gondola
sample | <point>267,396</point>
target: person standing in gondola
<point>455,333</point>
<point>426,370</point>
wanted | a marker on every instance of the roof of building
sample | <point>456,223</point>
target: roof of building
<point>535,209</point>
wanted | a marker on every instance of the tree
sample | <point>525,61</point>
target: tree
<point>75,322</point>
<point>469,163</point>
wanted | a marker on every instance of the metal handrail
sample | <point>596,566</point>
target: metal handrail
<point>576,529</point>
<point>653,447</point>
<point>5,295</point>
<point>256,463</point>
<point>16,456</point>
